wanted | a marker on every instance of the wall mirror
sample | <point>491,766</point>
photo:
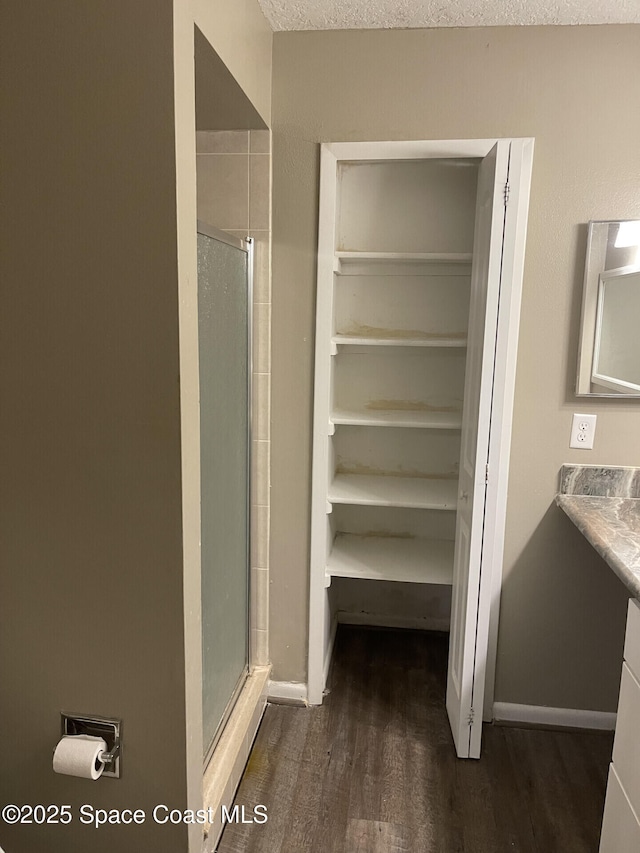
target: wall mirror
<point>609,353</point>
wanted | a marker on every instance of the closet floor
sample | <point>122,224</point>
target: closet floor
<point>373,770</point>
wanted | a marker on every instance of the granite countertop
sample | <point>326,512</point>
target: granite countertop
<point>612,526</point>
<point>604,504</point>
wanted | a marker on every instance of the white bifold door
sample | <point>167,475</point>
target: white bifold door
<point>470,610</point>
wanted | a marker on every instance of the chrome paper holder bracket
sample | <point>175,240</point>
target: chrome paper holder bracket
<point>110,730</point>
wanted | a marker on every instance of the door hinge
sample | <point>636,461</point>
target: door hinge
<point>507,192</point>
<point>471,716</point>
<point>486,474</point>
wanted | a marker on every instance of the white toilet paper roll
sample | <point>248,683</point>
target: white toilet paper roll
<point>79,755</point>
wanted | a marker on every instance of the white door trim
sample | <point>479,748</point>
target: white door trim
<point>411,150</point>
<point>320,640</point>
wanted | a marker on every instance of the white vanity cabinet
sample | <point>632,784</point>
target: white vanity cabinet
<point>621,823</point>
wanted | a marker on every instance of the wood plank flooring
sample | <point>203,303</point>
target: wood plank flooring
<point>373,770</point>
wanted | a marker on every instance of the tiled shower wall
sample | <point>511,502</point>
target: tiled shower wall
<point>234,194</point>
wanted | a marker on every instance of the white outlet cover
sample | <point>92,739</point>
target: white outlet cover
<point>583,430</point>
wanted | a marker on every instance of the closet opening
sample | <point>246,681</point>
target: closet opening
<point>413,261</point>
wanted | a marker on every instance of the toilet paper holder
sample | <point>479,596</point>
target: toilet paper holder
<point>110,730</point>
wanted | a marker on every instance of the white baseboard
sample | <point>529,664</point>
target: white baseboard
<point>382,621</point>
<point>506,713</point>
<point>288,693</point>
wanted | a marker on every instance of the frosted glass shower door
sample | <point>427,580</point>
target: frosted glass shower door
<point>224,320</point>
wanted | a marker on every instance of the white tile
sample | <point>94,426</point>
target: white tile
<point>261,408</point>
<point>260,458</point>
<point>262,338</point>
<point>260,141</point>
<point>259,191</point>
<point>224,142</point>
<point>260,537</point>
<point>260,599</point>
<point>259,647</point>
<point>223,185</point>
<point>261,266</point>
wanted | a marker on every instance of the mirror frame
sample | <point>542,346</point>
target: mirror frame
<point>588,318</point>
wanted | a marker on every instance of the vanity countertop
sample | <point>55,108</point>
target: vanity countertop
<point>604,504</point>
<point>612,526</point>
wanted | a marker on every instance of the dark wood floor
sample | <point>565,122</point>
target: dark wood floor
<point>374,769</point>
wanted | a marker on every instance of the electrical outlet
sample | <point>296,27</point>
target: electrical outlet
<point>583,430</point>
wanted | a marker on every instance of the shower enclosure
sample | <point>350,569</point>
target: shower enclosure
<point>224,326</point>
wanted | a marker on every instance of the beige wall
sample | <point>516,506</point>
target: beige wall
<point>239,33</point>
<point>99,515</point>
<point>573,89</point>
<point>91,615</point>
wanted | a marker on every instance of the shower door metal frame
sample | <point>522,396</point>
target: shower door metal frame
<point>245,245</point>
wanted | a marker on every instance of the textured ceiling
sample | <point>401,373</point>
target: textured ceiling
<point>399,14</point>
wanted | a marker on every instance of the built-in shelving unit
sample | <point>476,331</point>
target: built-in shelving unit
<point>397,325</point>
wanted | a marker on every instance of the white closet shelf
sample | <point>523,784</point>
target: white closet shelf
<point>420,257</point>
<point>417,419</point>
<point>403,263</point>
<point>354,340</point>
<point>391,559</point>
<point>377,490</point>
